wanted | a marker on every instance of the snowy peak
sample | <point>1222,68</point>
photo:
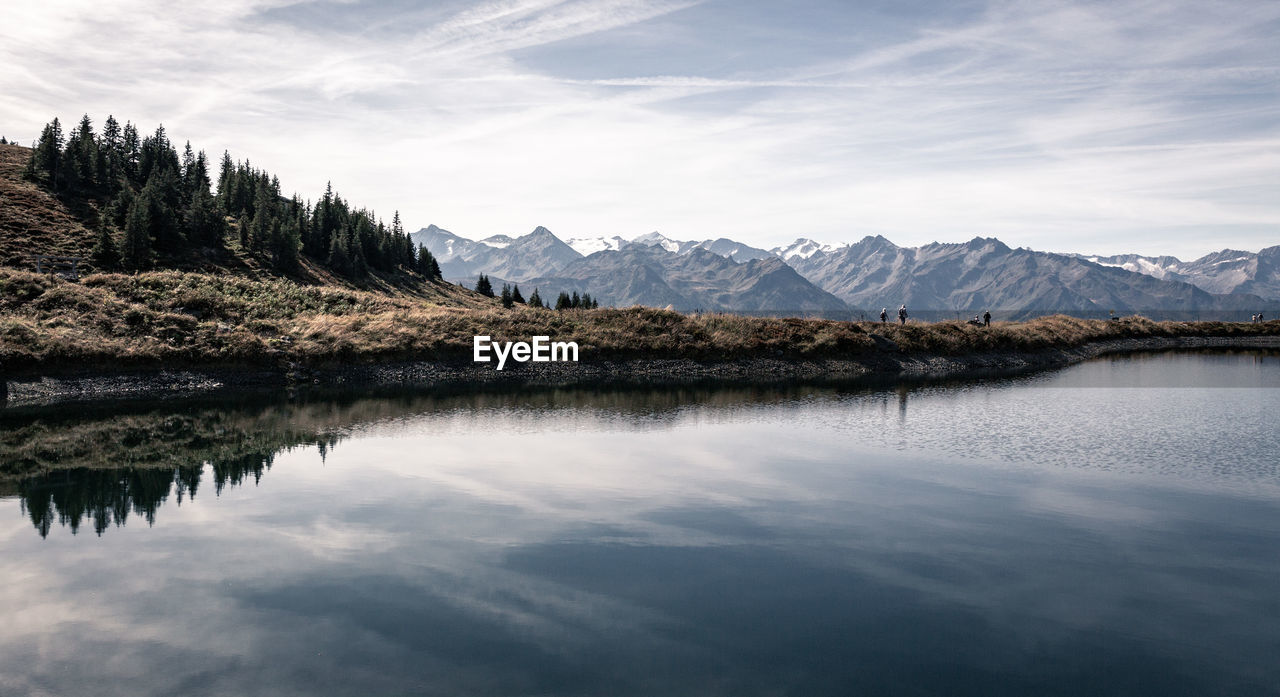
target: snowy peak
<point>657,239</point>
<point>802,248</point>
<point>586,246</point>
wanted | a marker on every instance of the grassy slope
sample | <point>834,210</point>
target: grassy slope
<point>219,308</point>
<point>182,318</point>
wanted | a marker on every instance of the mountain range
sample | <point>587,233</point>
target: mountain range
<point>808,276</point>
<point>1228,271</point>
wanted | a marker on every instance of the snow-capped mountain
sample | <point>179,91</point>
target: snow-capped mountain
<point>586,246</point>
<point>640,274</point>
<point>652,270</point>
<point>1227,271</point>
<point>657,239</point>
<point>984,273</point>
<point>802,248</point>
<point>536,253</point>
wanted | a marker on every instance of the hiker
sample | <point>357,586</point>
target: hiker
<point>1260,317</point>
<point>986,318</point>
<point>902,314</point>
<point>884,315</point>
<point>1253,319</point>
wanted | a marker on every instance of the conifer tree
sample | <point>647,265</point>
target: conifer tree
<point>131,150</point>
<point>104,253</point>
<point>516,296</point>
<point>161,212</point>
<point>507,300</point>
<point>136,254</point>
<point>226,173</point>
<point>204,221</point>
<point>285,244</point>
<point>483,286</point>
<point>82,156</point>
<point>112,153</point>
<point>46,156</point>
<point>575,301</point>
<point>339,260</point>
<point>263,219</point>
<point>535,300</point>
<point>427,265</point>
<point>118,211</point>
<point>563,302</point>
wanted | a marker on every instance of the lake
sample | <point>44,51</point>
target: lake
<point>1112,528</point>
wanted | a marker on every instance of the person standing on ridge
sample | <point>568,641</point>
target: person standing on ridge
<point>902,314</point>
<point>986,318</point>
<point>884,315</point>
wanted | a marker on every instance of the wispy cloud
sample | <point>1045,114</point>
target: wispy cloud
<point>1123,126</point>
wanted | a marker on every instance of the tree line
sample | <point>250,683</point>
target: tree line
<point>157,203</point>
<point>511,297</point>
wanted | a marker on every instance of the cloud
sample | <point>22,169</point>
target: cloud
<point>1129,126</point>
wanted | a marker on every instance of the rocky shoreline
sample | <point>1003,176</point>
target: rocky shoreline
<point>885,365</point>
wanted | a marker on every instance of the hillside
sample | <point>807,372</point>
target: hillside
<point>34,220</point>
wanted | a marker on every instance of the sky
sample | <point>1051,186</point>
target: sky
<point>1110,127</point>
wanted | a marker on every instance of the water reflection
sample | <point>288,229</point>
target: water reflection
<point>990,540</point>
<point>107,496</point>
<point>100,463</point>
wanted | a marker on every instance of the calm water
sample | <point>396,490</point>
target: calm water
<point>1110,529</point>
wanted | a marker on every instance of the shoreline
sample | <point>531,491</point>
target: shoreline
<point>882,366</point>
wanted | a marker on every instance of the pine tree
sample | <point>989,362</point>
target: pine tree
<point>136,254</point>
<point>119,208</point>
<point>339,260</point>
<point>507,300</point>
<point>575,301</point>
<point>427,265</point>
<point>113,155</point>
<point>286,242</point>
<point>226,175</point>
<point>79,161</point>
<point>188,174</point>
<point>483,286</point>
<point>161,211</point>
<point>46,156</point>
<point>563,302</point>
<point>516,296</point>
<point>104,253</point>
<point>131,150</point>
<point>204,221</point>
<point>586,301</point>
<point>535,300</point>
<point>264,217</point>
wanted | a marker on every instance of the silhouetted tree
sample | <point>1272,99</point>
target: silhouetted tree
<point>483,286</point>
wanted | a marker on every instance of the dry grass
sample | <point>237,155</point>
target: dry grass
<point>171,318</point>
